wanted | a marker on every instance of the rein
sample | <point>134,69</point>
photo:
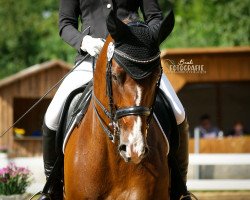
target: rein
<point>113,113</point>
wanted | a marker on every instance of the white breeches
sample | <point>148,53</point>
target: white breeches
<point>83,74</point>
<point>77,78</point>
<point>175,102</point>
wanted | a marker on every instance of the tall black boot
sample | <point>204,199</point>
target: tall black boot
<point>182,154</point>
<point>49,158</point>
<point>49,152</point>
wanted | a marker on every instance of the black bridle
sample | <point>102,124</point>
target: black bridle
<point>113,113</point>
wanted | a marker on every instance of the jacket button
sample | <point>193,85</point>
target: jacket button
<point>109,5</point>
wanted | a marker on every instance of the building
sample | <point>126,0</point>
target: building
<point>215,81</point>
<point>17,94</point>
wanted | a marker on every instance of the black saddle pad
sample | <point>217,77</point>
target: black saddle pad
<point>74,110</point>
<point>165,116</point>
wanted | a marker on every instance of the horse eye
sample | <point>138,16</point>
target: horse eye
<point>114,77</point>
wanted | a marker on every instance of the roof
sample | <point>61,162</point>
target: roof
<point>206,50</point>
<point>33,70</point>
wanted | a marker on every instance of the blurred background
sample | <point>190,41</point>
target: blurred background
<point>29,30</point>
<point>206,58</point>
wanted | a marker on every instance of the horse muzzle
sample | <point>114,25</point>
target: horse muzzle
<point>133,153</point>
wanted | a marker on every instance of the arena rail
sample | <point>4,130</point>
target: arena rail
<point>232,159</point>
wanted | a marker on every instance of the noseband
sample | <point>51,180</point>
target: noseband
<point>113,113</point>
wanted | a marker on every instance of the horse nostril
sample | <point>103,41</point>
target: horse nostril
<point>122,147</point>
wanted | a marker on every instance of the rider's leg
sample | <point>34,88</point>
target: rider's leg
<point>81,75</point>
<point>179,112</point>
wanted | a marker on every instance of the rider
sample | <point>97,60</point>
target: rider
<point>93,14</point>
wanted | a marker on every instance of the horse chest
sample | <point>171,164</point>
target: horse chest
<point>138,184</point>
<point>94,170</point>
<point>101,182</point>
<point>129,194</point>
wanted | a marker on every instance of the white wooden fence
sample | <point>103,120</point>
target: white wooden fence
<point>36,166</point>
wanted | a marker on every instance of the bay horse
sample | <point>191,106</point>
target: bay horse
<point>118,151</point>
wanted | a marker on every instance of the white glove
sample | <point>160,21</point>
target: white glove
<point>92,45</point>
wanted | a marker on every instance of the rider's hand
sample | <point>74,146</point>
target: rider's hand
<point>92,45</point>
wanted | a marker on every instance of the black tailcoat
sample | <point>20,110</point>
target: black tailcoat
<point>93,14</point>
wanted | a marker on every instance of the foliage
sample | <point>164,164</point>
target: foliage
<point>202,23</point>
<point>14,180</point>
<point>29,30</point>
<point>29,35</point>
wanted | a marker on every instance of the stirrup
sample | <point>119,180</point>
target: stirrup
<point>188,196</point>
<point>40,196</point>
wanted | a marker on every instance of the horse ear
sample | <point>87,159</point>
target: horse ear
<point>162,30</point>
<point>117,29</point>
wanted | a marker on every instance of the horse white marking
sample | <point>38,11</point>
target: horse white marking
<point>138,96</point>
<point>135,138</point>
<point>138,138</point>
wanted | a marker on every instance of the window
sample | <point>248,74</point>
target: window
<point>225,102</point>
<point>30,127</point>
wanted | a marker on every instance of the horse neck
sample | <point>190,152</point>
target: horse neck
<point>100,93</point>
<point>100,75</point>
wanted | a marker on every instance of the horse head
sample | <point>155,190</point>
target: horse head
<point>133,74</point>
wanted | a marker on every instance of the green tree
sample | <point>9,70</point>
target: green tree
<point>202,23</point>
<point>29,35</point>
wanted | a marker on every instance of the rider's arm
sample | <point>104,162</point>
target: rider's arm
<point>69,12</point>
<point>151,11</point>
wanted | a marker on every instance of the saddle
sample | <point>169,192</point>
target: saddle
<point>73,112</point>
